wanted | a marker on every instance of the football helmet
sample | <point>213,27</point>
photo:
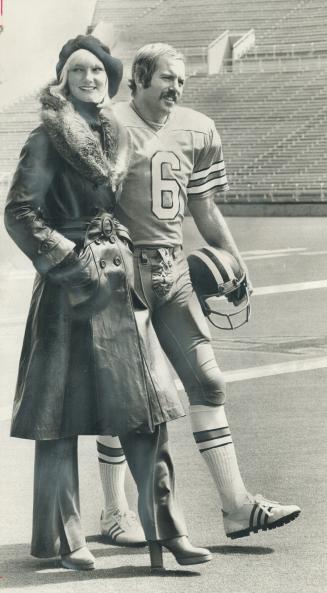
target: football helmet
<point>216,273</point>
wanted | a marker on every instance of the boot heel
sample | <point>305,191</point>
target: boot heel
<point>155,550</point>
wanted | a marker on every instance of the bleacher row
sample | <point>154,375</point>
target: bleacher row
<point>187,23</point>
<point>272,123</point>
<point>273,128</point>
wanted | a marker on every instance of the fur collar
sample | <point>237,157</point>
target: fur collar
<point>76,143</point>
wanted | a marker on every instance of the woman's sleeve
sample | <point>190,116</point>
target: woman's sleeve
<point>25,202</point>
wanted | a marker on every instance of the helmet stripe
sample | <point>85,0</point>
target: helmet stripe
<point>210,265</point>
<point>221,267</point>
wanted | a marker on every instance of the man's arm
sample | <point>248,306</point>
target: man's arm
<point>214,229</point>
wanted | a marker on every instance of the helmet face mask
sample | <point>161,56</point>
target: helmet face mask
<point>221,287</point>
<point>226,318</point>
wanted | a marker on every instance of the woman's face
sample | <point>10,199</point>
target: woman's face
<point>87,78</point>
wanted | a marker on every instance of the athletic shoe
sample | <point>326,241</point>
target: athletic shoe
<point>80,559</point>
<point>258,514</point>
<point>122,529</point>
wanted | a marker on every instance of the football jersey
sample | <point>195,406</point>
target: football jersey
<point>170,164</point>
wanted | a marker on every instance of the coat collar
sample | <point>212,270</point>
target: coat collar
<point>76,143</point>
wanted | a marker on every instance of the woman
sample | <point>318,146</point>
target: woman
<point>90,360</point>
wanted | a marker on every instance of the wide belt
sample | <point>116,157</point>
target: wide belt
<point>154,251</point>
<point>87,230</point>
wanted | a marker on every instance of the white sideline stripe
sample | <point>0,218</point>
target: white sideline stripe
<point>257,255</point>
<point>294,287</point>
<point>266,256</point>
<point>268,251</point>
<point>268,370</point>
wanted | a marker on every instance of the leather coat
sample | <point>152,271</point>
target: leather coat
<point>91,362</point>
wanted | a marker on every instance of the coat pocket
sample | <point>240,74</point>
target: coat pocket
<point>79,275</point>
<point>83,285</point>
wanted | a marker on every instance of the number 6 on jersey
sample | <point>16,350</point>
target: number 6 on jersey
<point>165,189</point>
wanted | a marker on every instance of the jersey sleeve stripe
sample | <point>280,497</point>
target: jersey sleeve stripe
<point>220,183</point>
<point>219,166</point>
<point>215,175</point>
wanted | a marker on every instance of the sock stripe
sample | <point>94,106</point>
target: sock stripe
<point>109,461</point>
<point>215,447</point>
<point>207,435</point>
<point>110,451</point>
<point>217,438</point>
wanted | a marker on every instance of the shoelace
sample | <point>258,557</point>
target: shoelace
<point>128,518</point>
<point>263,503</point>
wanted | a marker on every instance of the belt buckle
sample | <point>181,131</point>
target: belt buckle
<point>107,226</point>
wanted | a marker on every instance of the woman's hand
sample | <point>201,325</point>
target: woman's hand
<point>79,275</point>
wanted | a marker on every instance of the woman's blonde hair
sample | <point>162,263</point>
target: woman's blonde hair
<point>61,89</point>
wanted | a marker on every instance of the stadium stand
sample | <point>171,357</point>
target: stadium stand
<point>272,130</point>
<point>122,13</point>
<point>269,105</point>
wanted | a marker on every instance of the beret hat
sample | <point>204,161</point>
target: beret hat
<point>113,66</point>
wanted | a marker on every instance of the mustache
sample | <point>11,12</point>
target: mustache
<point>169,95</point>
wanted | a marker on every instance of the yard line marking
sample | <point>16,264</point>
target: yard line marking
<point>294,287</point>
<point>268,251</point>
<point>268,370</point>
<point>266,256</point>
<point>315,253</point>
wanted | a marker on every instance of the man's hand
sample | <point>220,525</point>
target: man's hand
<point>238,296</point>
<point>250,286</point>
<point>247,279</point>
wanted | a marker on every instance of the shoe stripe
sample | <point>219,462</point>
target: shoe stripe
<point>209,435</point>
<point>230,442</point>
<point>112,528</point>
<point>267,517</point>
<point>255,506</point>
<point>259,526</point>
<point>115,530</point>
<point>115,535</point>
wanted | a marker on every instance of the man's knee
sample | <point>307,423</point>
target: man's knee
<point>210,391</point>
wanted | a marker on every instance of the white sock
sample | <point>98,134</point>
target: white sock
<point>213,438</point>
<point>112,466</point>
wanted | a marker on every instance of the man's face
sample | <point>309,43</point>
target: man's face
<point>87,78</point>
<point>165,90</point>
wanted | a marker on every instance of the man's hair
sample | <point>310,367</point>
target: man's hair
<point>146,60</point>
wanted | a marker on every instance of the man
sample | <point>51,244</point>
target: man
<point>177,161</point>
